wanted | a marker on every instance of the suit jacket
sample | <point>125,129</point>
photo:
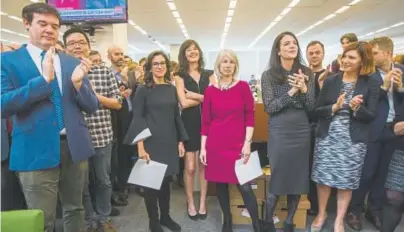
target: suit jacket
<point>400,118</point>
<point>383,105</point>
<point>361,119</point>
<point>25,95</point>
<point>4,140</point>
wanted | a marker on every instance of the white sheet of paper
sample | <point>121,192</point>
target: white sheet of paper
<point>249,171</point>
<point>149,175</point>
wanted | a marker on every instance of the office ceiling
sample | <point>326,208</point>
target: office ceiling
<point>204,21</point>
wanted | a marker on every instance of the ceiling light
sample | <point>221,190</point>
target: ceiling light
<point>318,23</point>
<point>171,5</point>
<point>342,9</point>
<point>7,41</point>
<point>34,0</point>
<point>330,16</point>
<point>293,3</point>
<point>15,18</point>
<point>232,4</point>
<point>2,13</point>
<point>397,24</point>
<point>176,14</point>
<point>354,2</point>
<point>272,23</point>
<point>138,28</point>
<point>227,22</point>
<point>134,48</point>
<point>382,29</point>
<point>285,11</point>
<point>13,32</point>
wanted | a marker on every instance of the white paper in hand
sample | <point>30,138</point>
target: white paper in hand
<point>149,175</point>
<point>249,171</point>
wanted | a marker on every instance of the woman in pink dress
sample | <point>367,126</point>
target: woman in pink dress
<point>227,129</point>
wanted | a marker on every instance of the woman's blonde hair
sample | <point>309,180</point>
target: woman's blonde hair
<point>230,54</point>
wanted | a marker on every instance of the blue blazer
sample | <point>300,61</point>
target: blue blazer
<point>383,107</point>
<point>25,95</point>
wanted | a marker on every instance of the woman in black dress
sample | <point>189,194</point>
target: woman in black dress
<point>394,207</point>
<point>158,130</point>
<point>288,93</point>
<point>191,81</point>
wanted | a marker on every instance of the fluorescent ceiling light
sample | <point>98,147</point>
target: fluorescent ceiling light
<point>285,11</point>
<point>15,18</point>
<point>232,4</point>
<point>7,41</point>
<point>354,2</point>
<point>2,13</point>
<point>293,3</point>
<point>34,0</point>
<point>228,20</point>
<point>230,12</point>
<point>318,23</point>
<point>330,16</point>
<point>171,5</point>
<point>176,14</point>
<point>13,32</point>
<point>397,24</point>
<point>134,48</point>
<point>138,28</point>
<point>383,29</point>
<point>179,21</point>
<point>131,22</point>
<point>273,22</point>
<point>342,9</point>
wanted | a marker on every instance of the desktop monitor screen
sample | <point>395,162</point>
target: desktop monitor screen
<point>91,11</point>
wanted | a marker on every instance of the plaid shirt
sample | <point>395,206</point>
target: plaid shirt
<point>99,123</point>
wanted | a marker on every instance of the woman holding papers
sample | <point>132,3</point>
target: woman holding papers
<point>345,108</point>
<point>288,93</point>
<point>158,130</point>
<point>227,129</point>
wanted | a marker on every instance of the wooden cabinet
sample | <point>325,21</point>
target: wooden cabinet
<point>261,124</point>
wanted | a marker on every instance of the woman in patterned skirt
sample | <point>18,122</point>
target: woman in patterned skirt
<point>392,211</point>
<point>346,107</point>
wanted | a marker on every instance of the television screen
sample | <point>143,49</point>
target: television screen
<point>91,11</point>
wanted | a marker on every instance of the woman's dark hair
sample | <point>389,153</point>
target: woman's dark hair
<point>38,8</point>
<point>182,59</point>
<point>149,81</point>
<point>275,65</point>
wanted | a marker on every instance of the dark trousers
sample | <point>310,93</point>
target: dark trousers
<point>114,165</point>
<point>374,174</point>
<point>125,163</point>
<point>12,197</point>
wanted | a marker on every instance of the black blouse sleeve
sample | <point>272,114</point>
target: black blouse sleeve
<point>138,129</point>
<point>309,98</point>
<point>273,104</point>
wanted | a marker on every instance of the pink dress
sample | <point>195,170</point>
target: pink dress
<point>225,116</point>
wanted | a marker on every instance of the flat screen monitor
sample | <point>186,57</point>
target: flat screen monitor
<point>91,11</point>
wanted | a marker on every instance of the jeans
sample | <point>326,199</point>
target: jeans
<point>99,169</point>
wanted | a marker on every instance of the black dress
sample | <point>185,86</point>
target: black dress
<point>156,119</point>
<point>192,116</point>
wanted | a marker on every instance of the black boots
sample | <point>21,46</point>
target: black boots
<point>150,200</point>
<point>227,225</point>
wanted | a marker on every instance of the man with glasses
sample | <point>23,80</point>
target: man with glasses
<point>45,92</point>
<point>99,124</point>
<point>96,58</point>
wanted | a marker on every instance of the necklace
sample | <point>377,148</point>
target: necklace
<point>225,87</point>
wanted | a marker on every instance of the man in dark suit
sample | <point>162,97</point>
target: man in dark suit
<point>45,93</point>
<point>382,138</point>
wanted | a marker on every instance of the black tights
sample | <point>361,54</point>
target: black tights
<point>392,210</point>
<point>249,198</point>
<point>161,197</point>
<point>293,203</point>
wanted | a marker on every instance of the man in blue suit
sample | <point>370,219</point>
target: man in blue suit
<point>45,93</point>
<point>382,140</point>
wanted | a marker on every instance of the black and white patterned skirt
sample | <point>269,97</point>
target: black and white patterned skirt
<point>395,178</point>
<point>338,162</point>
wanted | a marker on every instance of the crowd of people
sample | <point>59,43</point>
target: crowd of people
<point>76,127</point>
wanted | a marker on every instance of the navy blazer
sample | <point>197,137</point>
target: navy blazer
<point>361,119</point>
<point>25,95</point>
<point>383,105</point>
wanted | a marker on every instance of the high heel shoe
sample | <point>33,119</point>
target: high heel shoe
<point>318,228</point>
<point>203,216</point>
<point>192,217</point>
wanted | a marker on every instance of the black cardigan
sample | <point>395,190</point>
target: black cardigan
<point>361,119</point>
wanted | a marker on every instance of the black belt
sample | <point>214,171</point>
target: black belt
<point>63,137</point>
